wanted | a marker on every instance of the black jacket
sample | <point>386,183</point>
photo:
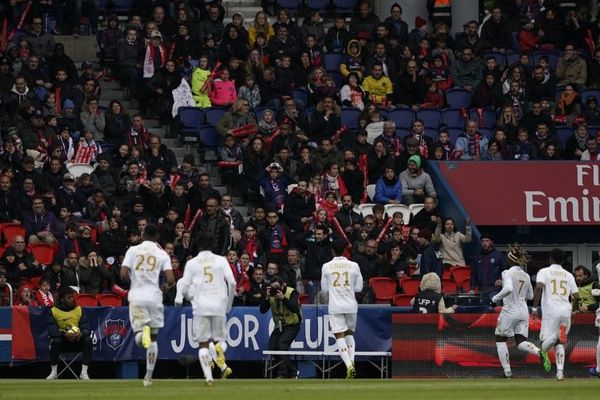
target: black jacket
<point>220,231</point>
<point>10,206</point>
<point>296,207</point>
<point>316,254</point>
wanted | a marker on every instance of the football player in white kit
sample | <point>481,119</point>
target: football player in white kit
<point>143,264</point>
<point>341,278</point>
<point>210,286</point>
<point>554,286</point>
<point>596,293</point>
<point>513,320</point>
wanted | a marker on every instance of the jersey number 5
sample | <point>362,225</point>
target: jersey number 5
<point>559,286</point>
<point>208,276</point>
<point>145,263</point>
<point>337,276</point>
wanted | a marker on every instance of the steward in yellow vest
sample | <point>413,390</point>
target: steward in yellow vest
<point>69,331</point>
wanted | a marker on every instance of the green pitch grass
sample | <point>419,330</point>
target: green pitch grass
<point>457,389</point>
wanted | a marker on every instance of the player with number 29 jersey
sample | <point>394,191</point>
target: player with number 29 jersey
<point>145,263</point>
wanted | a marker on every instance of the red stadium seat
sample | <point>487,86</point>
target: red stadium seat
<point>460,273</point>
<point>109,300</point>
<point>411,286</point>
<point>43,253</point>
<point>449,286</point>
<point>86,300</point>
<point>2,250</point>
<point>35,282</point>
<point>303,298</point>
<point>383,289</point>
<point>403,300</point>
<point>465,284</point>
<point>446,274</point>
<point>9,231</point>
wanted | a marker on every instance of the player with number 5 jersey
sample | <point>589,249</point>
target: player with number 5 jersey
<point>342,279</point>
<point>555,286</point>
<point>210,286</point>
<point>143,265</point>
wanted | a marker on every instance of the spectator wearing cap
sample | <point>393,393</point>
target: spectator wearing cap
<point>470,38</point>
<point>67,195</point>
<point>417,34</point>
<point>103,177</point>
<point>70,117</point>
<point>486,270</point>
<point>156,55</point>
<point>188,173</point>
<point>416,183</point>
<point>274,184</point>
<point>33,133</point>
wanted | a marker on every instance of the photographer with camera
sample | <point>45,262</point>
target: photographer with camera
<point>285,309</point>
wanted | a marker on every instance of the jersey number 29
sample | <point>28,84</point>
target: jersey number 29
<point>145,263</point>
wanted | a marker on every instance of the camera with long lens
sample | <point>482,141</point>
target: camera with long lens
<point>273,291</point>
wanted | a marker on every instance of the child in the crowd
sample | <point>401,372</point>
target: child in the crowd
<point>222,90</point>
<point>43,294</point>
<point>434,97</point>
<point>443,142</point>
<point>250,91</point>
<point>439,73</point>
<point>24,50</point>
<point>267,123</point>
<point>199,83</point>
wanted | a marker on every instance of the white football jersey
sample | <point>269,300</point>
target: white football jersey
<point>145,263</point>
<point>342,279</point>
<point>519,284</point>
<point>208,283</point>
<point>559,284</point>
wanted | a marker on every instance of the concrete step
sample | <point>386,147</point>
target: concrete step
<point>246,10</point>
<point>83,48</point>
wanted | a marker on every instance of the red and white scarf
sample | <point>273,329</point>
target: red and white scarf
<point>149,59</point>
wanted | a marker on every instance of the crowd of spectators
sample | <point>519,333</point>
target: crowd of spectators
<point>305,166</point>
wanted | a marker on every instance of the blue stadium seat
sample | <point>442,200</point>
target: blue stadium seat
<point>319,5</point>
<point>308,113</point>
<point>590,92</point>
<point>209,138</point>
<point>344,7</point>
<point>454,133</point>
<point>457,98</point>
<point>332,61</point>
<point>337,78</point>
<point>489,117</point>
<point>516,44</point>
<point>300,94</point>
<point>192,118</point>
<point>432,133</point>
<point>431,117</point>
<point>403,117</point>
<point>214,114</point>
<point>564,133</point>
<point>514,58</point>
<point>385,114</point>
<point>488,133</point>
<point>291,5</point>
<point>453,118</point>
<point>350,117</point>
<point>402,132</point>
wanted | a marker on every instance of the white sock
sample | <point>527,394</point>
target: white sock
<point>503,356</point>
<point>84,369</point>
<point>151,355</point>
<point>529,347</point>
<point>138,339</point>
<point>204,356</point>
<point>343,349</point>
<point>212,351</point>
<point>549,342</point>
<point>559,353</point>
<point>54,369</point>
<point>351,347</point>
<point>598,356</point>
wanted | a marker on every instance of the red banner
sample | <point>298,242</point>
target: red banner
<point>527,193</point>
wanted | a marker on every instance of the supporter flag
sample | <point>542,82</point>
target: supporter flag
<point>23,347</point>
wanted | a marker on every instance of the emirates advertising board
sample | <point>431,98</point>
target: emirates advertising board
<point>532,193</point>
